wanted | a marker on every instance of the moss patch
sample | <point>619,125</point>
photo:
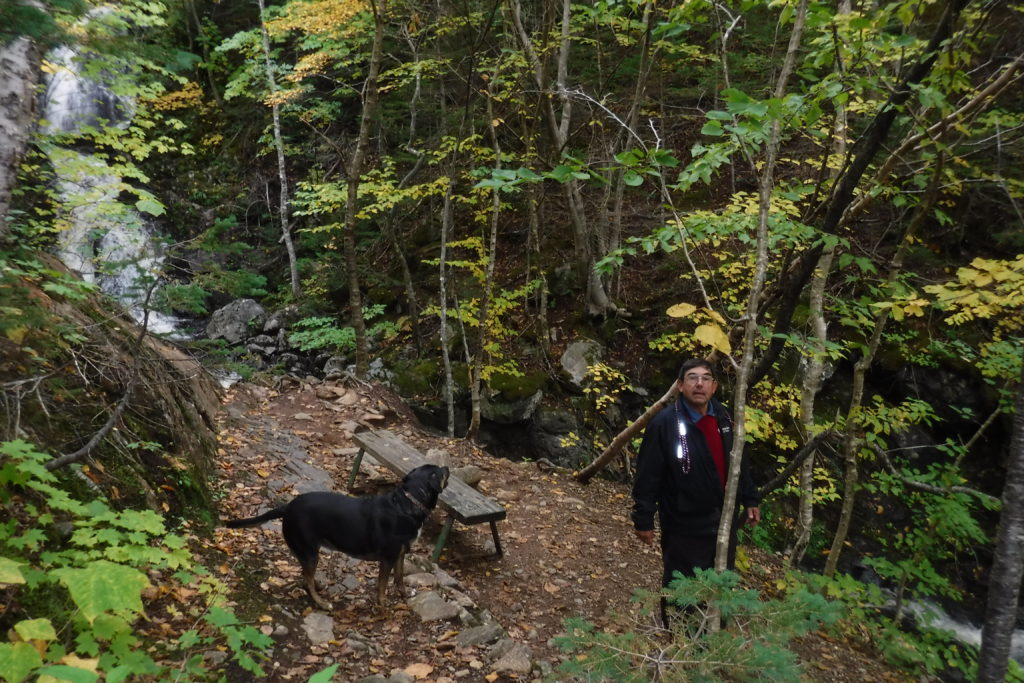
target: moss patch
<point>514,388</point>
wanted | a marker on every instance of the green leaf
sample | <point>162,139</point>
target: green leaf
<point>70,673</point>
<point>325,675</point>
<point>35,629</point>
<point>17,660</point>
<point>103,586</point>
<point>632,178</point>
<point>150,206</point>
<point>663,157</point>
<point>561,173</point>
<point>118,674</point>
<point>9,572</point>
<point>712,128</point>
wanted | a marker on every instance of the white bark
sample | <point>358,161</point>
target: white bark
<point>1008,565</point>
<point>811,387</point>
<point>282,173</point>
<point>449,385</point>
<point>19,73</point>
<point>766,184</point>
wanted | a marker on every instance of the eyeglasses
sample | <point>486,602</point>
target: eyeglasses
<point>697,379</point>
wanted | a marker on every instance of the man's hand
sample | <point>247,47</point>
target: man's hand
<point>753,516</point>
<point>645,536</point>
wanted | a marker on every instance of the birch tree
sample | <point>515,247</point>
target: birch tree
<point>370,98</point>
<point>19,72</point>
<point>766,185</point>
<point>282,171</point>
<point>20,55</point>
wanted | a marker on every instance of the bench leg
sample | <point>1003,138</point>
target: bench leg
<point>442,539</point>
<point>497,541</point>
<point>355,468</point>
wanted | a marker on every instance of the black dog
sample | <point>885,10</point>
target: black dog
<point>377,528</point>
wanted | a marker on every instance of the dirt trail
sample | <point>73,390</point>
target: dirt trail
<point>568,551</point>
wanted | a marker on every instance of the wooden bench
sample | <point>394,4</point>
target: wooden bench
<point>463,502</point>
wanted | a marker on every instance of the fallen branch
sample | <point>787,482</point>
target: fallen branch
<point>625,435</point>
<point>68,458</point>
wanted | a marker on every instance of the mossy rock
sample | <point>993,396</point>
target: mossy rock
<point>416,378</point>
<point>514,388</point>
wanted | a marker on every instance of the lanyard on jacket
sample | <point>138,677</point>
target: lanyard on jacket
<point>682,447</point>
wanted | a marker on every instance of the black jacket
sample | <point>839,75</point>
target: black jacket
<point>689,504</point>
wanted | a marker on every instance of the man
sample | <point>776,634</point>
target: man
<point>681,472</point>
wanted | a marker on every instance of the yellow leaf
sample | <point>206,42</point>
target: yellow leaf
<point>263,473</point>
<point>713,336</point>
<point>16,334</point>
<point>77,662</point>
<point>716,316</point>
<point>681,310</point>
<point>491,677</point>
<point>419,670</point>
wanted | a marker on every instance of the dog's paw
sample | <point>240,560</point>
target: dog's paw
<point>324,605</point>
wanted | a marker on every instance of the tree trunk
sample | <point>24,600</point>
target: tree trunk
<point>533,204</point>
<point>811,387</point>
<point>477,360</point>
<point>19,73</point>
<point>282,173</point>
<point>371,96</point>
<point>766,184</point>
<point>596,298</point>
<point>854,437</point>
<point>1008,564</point>
<point>449,386</point>
<point>862,153</point>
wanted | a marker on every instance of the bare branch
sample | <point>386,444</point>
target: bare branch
<point>809,448</point>
<point>930,488</point>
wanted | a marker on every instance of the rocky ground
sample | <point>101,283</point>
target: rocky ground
<point>568,551</point>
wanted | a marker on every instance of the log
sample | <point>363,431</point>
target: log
<point>585,475</point>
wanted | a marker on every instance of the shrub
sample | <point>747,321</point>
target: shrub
<point>73,575</point>
<point>751,645</point>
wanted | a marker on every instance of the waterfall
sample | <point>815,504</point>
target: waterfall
<point>105,240</point>
<point>930,614</point>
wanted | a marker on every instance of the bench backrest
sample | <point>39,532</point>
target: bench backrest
<point>464,502</point>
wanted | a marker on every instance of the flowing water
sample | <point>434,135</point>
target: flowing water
<point>105,240</point>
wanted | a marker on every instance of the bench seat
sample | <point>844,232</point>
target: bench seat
<point>462,502</point>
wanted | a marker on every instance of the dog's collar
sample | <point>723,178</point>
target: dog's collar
<point>415,502</point>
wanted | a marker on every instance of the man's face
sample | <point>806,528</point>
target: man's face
<point>698,386</point>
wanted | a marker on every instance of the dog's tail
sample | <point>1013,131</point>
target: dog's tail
<point>276,513</point>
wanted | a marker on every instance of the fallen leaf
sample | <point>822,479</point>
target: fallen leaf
<point>419,670</point>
